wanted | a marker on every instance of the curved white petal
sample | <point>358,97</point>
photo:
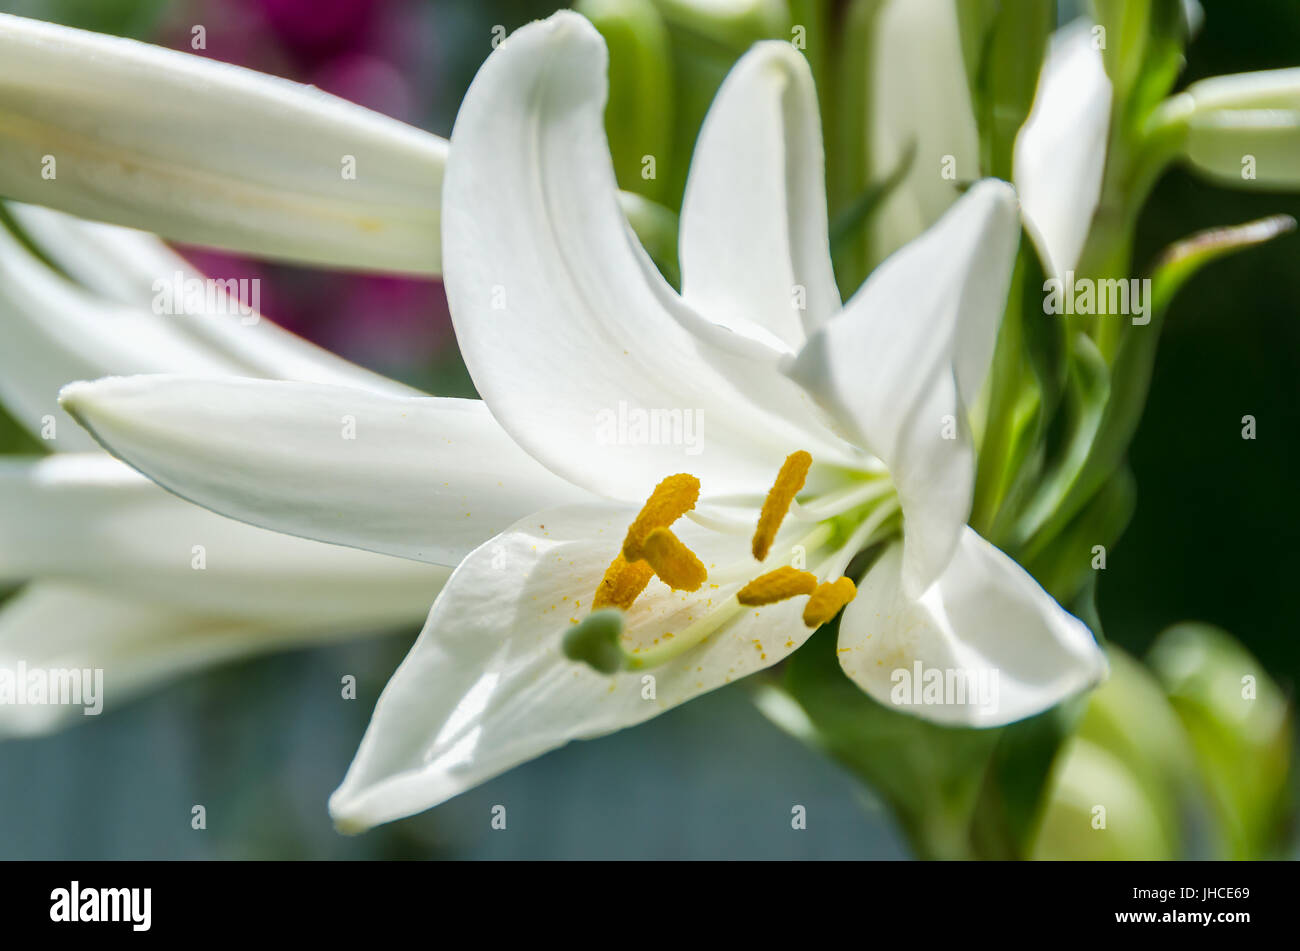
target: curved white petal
<point>54,333</point>
<point>1060,152</point>
<point>985,624</point>
<point>487,687</point>
<point>209,153</point>
<point>424,478</point>
<point>565,325</point>
<point>920,103</point>
<point>904,361</point>
<point>53,625</point>
<point>754,241</point>
<point>89,519</point>
<point>132,267</point>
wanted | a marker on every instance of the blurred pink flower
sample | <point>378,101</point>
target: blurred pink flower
<point>360,50</point>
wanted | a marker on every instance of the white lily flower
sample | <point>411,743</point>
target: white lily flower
<point>209,153</point>
<point>565,324</point>
<point>1060,153</point>
<point>120,575</point>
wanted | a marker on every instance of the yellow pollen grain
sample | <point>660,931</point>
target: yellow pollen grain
<point>671,499</point>
<point>788,483</point>
<point>827,600</point>
<point>784,582</point>
<point>621,584</point>
<point>674,563</point>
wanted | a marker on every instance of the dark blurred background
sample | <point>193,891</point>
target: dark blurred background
<point>1216,536</point>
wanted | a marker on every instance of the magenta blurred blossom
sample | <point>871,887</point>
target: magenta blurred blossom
<point>359,50</point>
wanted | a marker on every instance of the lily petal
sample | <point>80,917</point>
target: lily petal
<point>213,154</point>
<point>125,266</point>
<point>487,687</point>
<point>754,237</point>
<point>565,325</point>
<point>88,519</point>
<point>900,366</point>
<point>136,644</point>
<point>55,333</point>
<point>423,478</point>
<point>985,622</point>
<point>925,110</point>
<point>1061,149</point>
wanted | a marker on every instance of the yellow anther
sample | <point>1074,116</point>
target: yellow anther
<point>827,600</point>
<point>674,563</point>
<point>671,499</point>
<point>784,582</point>
<point>621,584</point>
<point>788,483</point>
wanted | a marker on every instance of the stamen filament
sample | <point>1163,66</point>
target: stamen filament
<point>865,534</point>
<point>671,647</point>
<point>743,571</point>
<point>837,503</point>
<point>718,523</point>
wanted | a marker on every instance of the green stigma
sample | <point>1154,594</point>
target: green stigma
<point>595,641</point>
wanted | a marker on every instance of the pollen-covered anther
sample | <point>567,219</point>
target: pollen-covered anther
<point>671,499</point>
<point>789,481</point>
<point>785,582</point>
<point>675,564</point>
<point>827,600</point>
<point>622,583</point>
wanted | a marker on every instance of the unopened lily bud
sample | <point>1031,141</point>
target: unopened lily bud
<point>1242,129</point>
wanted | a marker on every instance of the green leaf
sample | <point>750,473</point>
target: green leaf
<point>1012,799</point>
<point>639,116</point>
<point>656,226</point>
<point>1010,56</point>
<point>928,775</point>
<point>846,123</point>
<point>1144,50</point>
<point>1183,259</point>
<point>1065,568</point>
<point>1240,728</point>
<point>1022,391</point>
<point>848,226</point>
<point>1059,495</point>
<point>1129,379</point>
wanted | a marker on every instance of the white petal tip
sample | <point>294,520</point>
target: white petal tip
<point>86,400</point>
<point>347,818</point>
<point>347,825</point>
